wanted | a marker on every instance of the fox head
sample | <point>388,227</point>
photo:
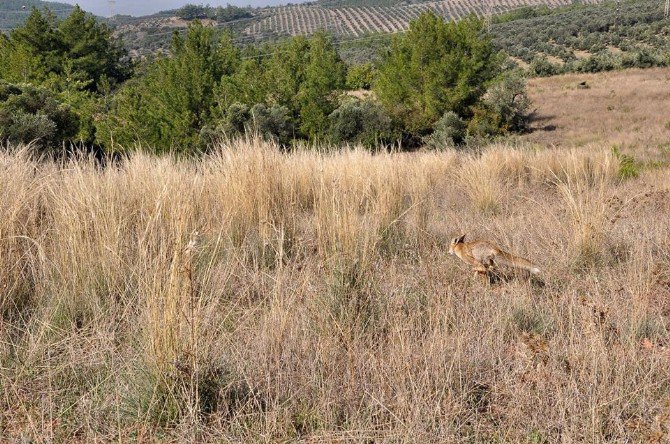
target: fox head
<point>455,241</point>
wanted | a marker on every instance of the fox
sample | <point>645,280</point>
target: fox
<point>484,256</point>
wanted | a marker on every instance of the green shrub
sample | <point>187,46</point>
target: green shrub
<point>629,168</point>
<point>360,76</point>
<point>596,63</point>
<point>504,108</point>
<point>541,66</point>
<point>273,123</point>
<point>236,119</point>
<point>360,121</point>
<point>449,131</point>
<point>509,102</point>
<point>32,114</point>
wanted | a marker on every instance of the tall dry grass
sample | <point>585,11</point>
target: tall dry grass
<point>259,296</point>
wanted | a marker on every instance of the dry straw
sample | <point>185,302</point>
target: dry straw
<point>255,295</point>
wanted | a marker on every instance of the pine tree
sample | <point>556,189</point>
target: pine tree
<point>436,67</point>
<point>36,49</point>
<point>168,107</point>
<point>91,53</point>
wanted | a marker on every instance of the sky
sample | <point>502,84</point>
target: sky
<point>139,7</point>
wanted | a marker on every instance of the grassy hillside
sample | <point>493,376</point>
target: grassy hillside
<point>344,20</point>
<point>627,109</point>
<point>587,38</point>
<point>13,13</point>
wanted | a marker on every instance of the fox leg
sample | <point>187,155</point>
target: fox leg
<point>480,271</point>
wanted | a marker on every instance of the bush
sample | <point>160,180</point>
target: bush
<point>236,119</point>
<point>360,76</point>
<point>273,123</point>
<point>449,131</point>
<point>503,109</point>
<point>641,59</point>
<point>541,66</point>
<point>508,101</point>
<point>31,114</point>
<point>596,63</point>
<point>360,121</point>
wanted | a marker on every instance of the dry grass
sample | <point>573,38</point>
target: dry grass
<point>262,297</point>
<point>627,109</point>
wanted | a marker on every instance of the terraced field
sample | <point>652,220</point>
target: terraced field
<point>361,20</point>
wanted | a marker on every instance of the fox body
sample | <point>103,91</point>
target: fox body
<point>483,256</point>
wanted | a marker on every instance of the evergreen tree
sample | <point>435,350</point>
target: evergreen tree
<point>168,107</point>
<point>35,50</point>
<point>434,68</point>
<point>324,73</point>
<point>90,51</point>
<point>78,49</point>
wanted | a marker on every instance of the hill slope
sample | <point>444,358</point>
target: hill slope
<point>589,38</point>
<point>356,21</point>
<point>345,19</point>
<point>628,109</point>
<point>14,12</point>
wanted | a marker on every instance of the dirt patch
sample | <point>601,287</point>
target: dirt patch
<point>582,54</point>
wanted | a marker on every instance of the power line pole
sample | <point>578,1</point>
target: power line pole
<point>112,8</point>
<point>667,8</point>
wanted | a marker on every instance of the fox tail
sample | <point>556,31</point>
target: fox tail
<point>517,262</point>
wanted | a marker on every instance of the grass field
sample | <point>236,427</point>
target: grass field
<point>263,297</point>
<point>627,109</point>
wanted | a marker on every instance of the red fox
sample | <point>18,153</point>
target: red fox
<point>485,257</point>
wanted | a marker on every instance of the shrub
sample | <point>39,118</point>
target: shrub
<point>273,123</point>
<point>360,121</point>
<point>541,66</point>
<point>596,63</point>
<point>629,168</point>
<point>503,109</point>
<point>31,114</point>
<point>641,59</point>
<point>449,131</point>
<point>360,76</point>
<point>508,101</point>
<point>236,119</point>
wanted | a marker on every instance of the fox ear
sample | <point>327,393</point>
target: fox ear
<point>460,239</point>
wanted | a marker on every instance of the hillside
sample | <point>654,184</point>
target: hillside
<point>344,19</point>
<point>577,38</point>
<point>14,12</point>
<point>628,109</point>
<point>587,38</point>
<point>357,21</point>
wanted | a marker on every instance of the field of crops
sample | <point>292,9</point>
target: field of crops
<point>610,36</point>
<point>355,21</point>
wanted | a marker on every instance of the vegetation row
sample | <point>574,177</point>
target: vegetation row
<point>441,83</point>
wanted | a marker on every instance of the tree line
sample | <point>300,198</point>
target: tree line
<point>70,81</point>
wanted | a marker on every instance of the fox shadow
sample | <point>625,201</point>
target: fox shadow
<point>503,275</point>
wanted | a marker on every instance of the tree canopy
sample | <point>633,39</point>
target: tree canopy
<point>434,68</point>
